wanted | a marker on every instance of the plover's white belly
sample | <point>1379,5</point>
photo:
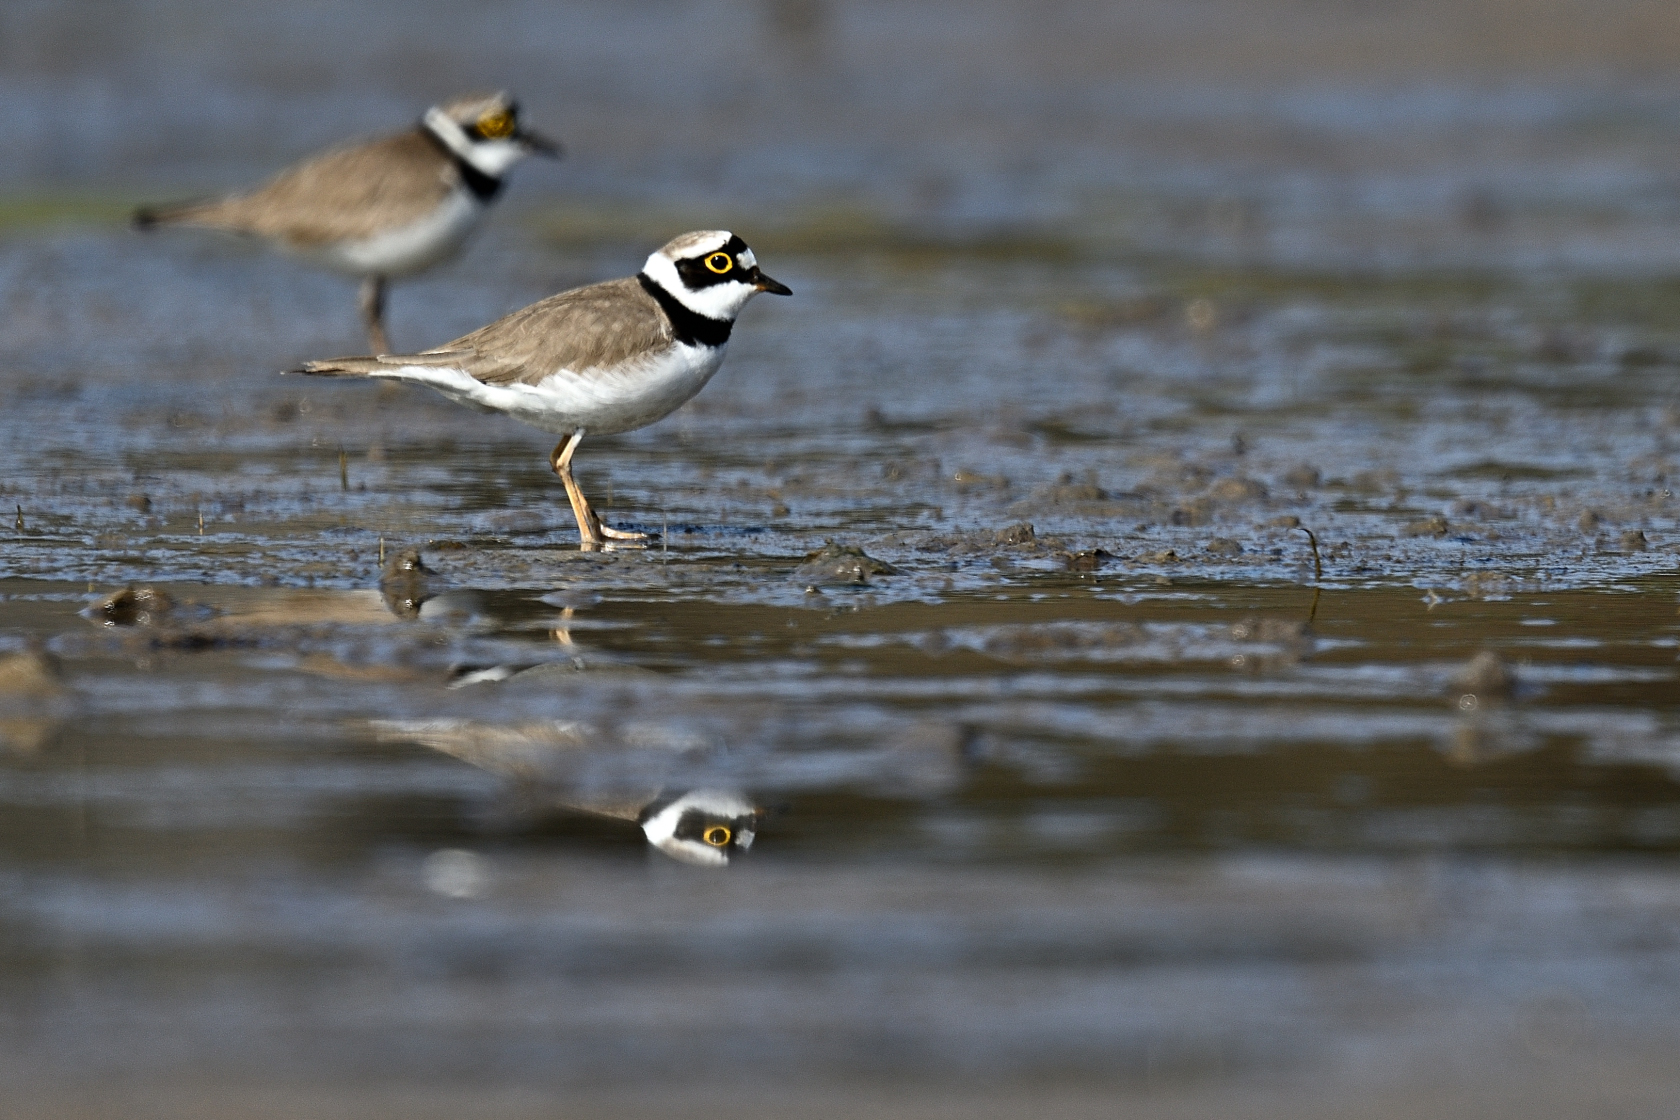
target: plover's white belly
<point>600,401</point>
<point>411,248</point>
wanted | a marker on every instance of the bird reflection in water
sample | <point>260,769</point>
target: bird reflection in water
<point>704,827</point>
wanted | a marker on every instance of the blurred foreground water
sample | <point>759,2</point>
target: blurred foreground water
<point>1092,788</point>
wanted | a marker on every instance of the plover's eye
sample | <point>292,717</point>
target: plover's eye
<point>717,835</point>
<point>720,263</point>
<point>496,125</point>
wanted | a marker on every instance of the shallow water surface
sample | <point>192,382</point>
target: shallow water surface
<point>1096,776</point>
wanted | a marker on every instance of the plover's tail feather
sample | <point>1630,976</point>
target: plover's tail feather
<point>346,367</point>
<point>397,366</point>
<point>197,212</point>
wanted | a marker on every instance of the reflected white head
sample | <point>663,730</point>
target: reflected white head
<point>703,827</point>
<point>711,272</point>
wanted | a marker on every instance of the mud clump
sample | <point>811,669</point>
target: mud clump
<point>1303,477</point>
<point>132,606</point>
<point>973,542</point>
<point>1477,510</point>
<point>1237,490</point>
<point>1634,541</point>
<point>405,564</point>
<point>406,583</point>
<point>1436,526</point>
<point>966,480</point>
<point>1223,548</point>
<point>841,564</point>
<point>1070,490</point>
<point>1088,560</point>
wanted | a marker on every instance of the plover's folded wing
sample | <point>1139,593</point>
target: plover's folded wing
<point>583,331</point>
<point>344,194</point>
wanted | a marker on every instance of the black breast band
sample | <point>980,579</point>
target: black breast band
<point>687,324</point>
<point>484,187</point>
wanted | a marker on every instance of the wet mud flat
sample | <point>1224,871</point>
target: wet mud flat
<point>1185,684</point>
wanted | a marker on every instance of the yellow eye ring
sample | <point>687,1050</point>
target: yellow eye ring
<point>496,126</point>
<point>720,263</point>
<point>717,836</point>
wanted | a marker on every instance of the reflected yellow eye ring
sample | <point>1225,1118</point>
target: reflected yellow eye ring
<point>717,836</point>
<point>497,125</point>
<point>720,263</point>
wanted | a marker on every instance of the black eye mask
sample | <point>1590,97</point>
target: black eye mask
<point>696,824</point>
<point>695,275</point>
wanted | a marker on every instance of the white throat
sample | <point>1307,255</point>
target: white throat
<point>719,301</point>
<point>492,157</point>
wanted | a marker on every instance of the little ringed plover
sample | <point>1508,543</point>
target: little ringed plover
<point>383,208</point>
<point>606,358</point>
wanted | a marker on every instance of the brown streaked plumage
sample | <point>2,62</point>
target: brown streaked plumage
<point>343,194</point>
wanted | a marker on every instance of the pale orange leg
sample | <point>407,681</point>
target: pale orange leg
<point>561,462</point>
<point>590,529</point>
<point>562,631</point>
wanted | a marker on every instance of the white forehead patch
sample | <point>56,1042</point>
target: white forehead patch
<point>745,256</point>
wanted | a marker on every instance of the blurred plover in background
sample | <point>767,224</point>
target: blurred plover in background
<point>384,208</point>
